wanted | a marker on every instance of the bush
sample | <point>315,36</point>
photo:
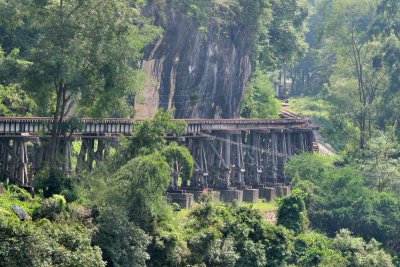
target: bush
<point>359,253</point>
<point>314,249</point>
<point>46,244</point>
<point>51,181</point>
<point>292,212</point>
<point>80,213</point>
<point>239,232</point>
<point>122,242</point>
<point>260,101</point>
<point>20,193</point>
<point>52,208</point>
<point>341,200</point>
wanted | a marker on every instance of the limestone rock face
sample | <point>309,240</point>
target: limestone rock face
<point>202,74</point>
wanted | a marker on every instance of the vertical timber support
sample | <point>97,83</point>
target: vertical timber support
<point>227,158</point>
<point>240,159</point>
<point>4,160</point>
<point>68,158</point>
<point>15,161</point>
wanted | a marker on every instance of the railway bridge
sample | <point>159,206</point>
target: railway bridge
<point>228,153</point>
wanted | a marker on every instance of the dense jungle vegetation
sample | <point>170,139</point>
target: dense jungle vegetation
<point>336,61</point>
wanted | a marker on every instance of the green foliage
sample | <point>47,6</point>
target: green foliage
<point>239,232</point>
<point>19,197</point>
<point>292,212</point>
<point>71,57</point>
<point>335,126</point>
<point>379,162</point>
<point>121,241</point>
<point>314,249</point>
<point>53,208</point>
<point>260,101</point>
<point>286,31</point>
<point>141,183</point>
<point>147,138</point>
<point>20,193</point>
<point>340,199</point>
<point>385,29</point>
<point>360,253</point>
<point>308,167</point>
<point>14,101</point>
<point>43,242</point>
<point>130,187</point>
<point>51,181</point>
<point>46,244</point>
<point>353,62</point>
<point>182,157</point>
<point>272,30</point>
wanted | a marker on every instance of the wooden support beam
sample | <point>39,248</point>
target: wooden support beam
<point>68,158</point>
<point>227,159</point>
<point>4,162</point>
<point>218,154</point>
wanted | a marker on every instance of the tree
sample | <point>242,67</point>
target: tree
<point>43,243</point>
<point>340,199</point>
<point>315,249</point>
<point>292,212</point>
<point>260,101</point>
<point>84,51</point>
<point>380,163</point>
<point>14,101</point>
<point>181,161</point>
<point>358,77</point>
<point>286,30</point>
<point>385,29</point>
<point>121,241</point>
<point>360,253</point>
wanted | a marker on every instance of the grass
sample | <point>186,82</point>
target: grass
<point>309,106</point>
<point>7,200</point>
<point>262,205</point>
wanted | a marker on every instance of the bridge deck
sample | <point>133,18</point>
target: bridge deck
<point>110,126</point>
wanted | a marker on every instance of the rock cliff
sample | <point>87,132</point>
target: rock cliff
<point>202,72</point>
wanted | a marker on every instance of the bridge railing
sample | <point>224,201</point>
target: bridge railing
<point>37,125</point>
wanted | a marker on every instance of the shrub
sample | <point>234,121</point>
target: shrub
<point>51,181</point>
<point>292,212</point>
<point>20,193</point>
<point>122,242</point>
<point>46,244</point>
<point>52,208</point>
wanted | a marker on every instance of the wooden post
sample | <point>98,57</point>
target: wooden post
<point>204,173</point>
<point>68,158</point>
<point>274,156</point>
<point>99,155</point>
<point>4,160</point>
<point>81,166</point>
<point>239,159</point>
<point>227,155</point>
<point>302,146</point>
<point>91,156</point>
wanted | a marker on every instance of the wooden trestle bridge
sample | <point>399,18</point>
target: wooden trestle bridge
<point>228,152</point>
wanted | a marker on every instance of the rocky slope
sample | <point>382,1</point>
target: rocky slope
<point>201,73</point>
